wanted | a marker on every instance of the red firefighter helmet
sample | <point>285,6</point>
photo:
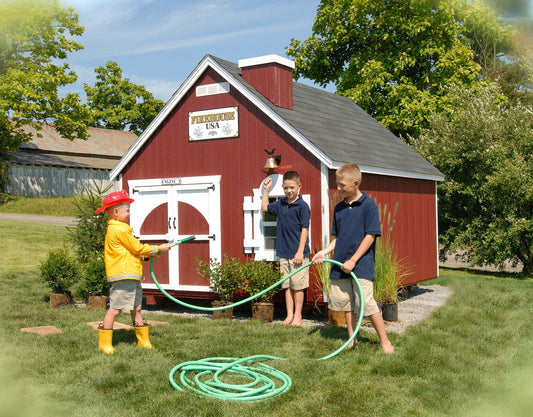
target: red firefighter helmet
<point>113,199</point>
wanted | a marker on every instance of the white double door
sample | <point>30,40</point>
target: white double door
<point>171,209</point>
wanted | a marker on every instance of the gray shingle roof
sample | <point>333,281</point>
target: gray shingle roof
<point>343,131</point>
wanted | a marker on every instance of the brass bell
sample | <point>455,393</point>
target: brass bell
<point>272,161</point>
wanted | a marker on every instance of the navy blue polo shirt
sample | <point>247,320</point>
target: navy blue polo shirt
<point>290,220</point>
<point>351,223</point>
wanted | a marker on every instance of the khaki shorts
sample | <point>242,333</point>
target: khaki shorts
<point>344,296</point>
<point>125,294</point>
<point>300,280</point>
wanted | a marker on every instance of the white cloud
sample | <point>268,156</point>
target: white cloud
<point>158,42</point>
<point>126,27</point>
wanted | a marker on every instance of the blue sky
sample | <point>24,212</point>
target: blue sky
<point>158,43</point>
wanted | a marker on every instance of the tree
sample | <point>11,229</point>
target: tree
<point>119,104</point>
<point>502,50</point>
<point>395,58</point>
<point>485,149</point>
<point>35,39</point>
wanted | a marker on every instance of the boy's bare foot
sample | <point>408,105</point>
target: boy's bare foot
<point>387,347</point>
<point>352,344</point>
<point>287,321</point>
<point>296,323</point>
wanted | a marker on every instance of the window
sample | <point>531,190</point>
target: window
<point>259,227</point>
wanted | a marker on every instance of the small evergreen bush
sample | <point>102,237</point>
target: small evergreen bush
<point>94,277</point>
<point>60,270</point>
<point>89,234</point>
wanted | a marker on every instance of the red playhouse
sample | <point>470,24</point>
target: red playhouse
<point>197,170</point>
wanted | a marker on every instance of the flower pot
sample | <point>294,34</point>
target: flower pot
<point>263,312</point>
<point>222,314</point>
<point>389,311</point>
<point>97,301</point>
<point>337,318</point>
<point>60,299</point>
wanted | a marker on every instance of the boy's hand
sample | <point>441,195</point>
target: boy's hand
<point>348,266</point>
<point>317,259</point>
<point>165,247</point>
<point>267,184</point>
<point>298,259</point>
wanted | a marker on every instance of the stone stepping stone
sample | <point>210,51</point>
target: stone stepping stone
<point>42,330</point>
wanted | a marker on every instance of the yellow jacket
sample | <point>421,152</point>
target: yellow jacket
<point>123,252</point>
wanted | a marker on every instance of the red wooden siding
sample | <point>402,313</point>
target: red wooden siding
<point>274,81</point>
<point>414,234</point>
<point>239,160</point>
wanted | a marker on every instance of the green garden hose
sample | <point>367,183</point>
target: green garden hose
<point>264,381</point>
<point>260,384</point>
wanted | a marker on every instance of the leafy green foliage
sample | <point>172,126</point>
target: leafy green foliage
<point>259,276</point>
<point>395,59</point>
<point>89,234</point>
<point>485,149</point>
<point>94,277</point>
<point>226,279</point>
<point>60,270</point>
<point>119,104</point>
<point>35,40</point>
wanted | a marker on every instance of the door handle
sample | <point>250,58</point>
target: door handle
<point>170,218</point>
<point>174,223</point>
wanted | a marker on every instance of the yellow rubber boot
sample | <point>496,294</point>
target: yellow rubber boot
<point>105,341</point>
<point>143,339</point>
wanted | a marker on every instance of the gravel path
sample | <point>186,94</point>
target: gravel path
<point>420,303</point>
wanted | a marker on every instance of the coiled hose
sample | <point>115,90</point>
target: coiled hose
<point>258,376</point>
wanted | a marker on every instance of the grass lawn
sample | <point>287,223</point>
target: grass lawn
<point>472,357</point>
<point>52,206</point>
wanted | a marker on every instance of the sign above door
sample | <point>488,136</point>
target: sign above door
<point>214,124</point>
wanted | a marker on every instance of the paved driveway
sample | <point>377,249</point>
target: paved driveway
<point>56,220</point>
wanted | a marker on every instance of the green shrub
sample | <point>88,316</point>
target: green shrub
<point>261,275</point>
<point>225,278</point>
<point>94,277</point>
<point>60,270</point>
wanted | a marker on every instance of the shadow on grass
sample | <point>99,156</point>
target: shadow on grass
<point>497,274</point>
<point>123,336</point>
<point>338,334</point>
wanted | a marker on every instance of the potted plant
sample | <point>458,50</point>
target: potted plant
<point>335,318</point>
<point>389,270</point>
<point>60,270</point>
<point>95,284</point>
<point>261,275</point>
<point>225,279</point>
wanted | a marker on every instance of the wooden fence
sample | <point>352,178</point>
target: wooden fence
<point>48,181</point>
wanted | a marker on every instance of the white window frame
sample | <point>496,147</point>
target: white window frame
<point>254,221</point>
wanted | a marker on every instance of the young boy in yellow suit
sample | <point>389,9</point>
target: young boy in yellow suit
<point>123,254</point>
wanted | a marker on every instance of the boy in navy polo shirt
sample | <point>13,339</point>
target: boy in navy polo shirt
<point>353,234</point>
<point>292,243</point>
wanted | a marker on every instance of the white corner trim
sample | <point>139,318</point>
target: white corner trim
<point>392,172</point>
